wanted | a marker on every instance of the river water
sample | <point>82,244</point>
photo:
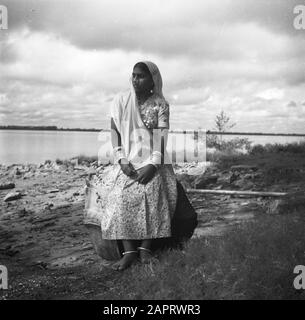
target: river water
<point>33,146</point>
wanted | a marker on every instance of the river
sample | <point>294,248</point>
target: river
<point>33,146</point>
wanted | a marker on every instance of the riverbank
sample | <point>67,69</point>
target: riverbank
<point>49,255</point>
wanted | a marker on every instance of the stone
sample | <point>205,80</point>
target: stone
<point>12,196</point>
<point>5,186</point>
<point>81,168</point>
<point>48,205</point>
<point>74,162</point>
<point>203,181</point>
<point>53,191</point>
<point>28,175</point>
<point>56,167</point>
<point>234,176</point>
<point>225,178</point>
<point>244,184</point>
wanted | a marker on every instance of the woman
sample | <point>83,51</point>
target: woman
<point>135,203</point>
<point>136,198</point>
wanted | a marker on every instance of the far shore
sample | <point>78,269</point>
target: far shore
<point>209,132</point>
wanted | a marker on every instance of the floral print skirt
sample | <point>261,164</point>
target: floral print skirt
<point>126,209</point>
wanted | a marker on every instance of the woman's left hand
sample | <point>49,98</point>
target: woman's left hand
<point>146,173</point>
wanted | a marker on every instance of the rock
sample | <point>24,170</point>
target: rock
<point>203,181</point>
<point>12,196</point>
<point>85,163</point>
<point>56,167</point>
<point>234,176</point>
<point>53,191</point>
<point>28,175</point>
<point>249,176</point>
<point>48,205</point>
<point>82,168</point>
<point>5,186</point>
<point>225,178</point>
<point>76,194</point>
<point>244,184</point>
<point>74,162</point>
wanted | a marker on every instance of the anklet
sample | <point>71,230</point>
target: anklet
<point>127,252</point>
<point>145,249</point>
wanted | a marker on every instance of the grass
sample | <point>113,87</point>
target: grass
<point>279,163</point>
<point>254,261</point>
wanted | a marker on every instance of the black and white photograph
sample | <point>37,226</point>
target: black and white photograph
<point>152,151</point>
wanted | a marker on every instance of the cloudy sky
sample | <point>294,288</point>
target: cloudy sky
<point>62,62</point>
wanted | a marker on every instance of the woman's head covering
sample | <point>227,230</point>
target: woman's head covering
<point>127,118</point>
<point>156,75</point>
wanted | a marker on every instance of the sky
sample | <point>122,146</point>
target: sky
<point>62,62</point>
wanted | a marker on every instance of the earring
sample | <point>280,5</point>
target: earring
<point>152,91</point>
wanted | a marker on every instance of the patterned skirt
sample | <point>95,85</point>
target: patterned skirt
<point>126,209</point>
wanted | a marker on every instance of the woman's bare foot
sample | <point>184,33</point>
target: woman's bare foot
<point>146,255</point>
<point>129,257</point>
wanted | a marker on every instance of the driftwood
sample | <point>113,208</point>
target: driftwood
<point>239,192</point>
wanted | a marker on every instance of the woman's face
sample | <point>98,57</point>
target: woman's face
<point>141,80</point>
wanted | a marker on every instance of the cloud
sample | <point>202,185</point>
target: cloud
<point>292,104</point>
<point>62,62</point>
<point>271,94</point>
<point>171,27</point>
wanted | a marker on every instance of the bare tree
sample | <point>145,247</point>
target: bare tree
<point>223,124</point>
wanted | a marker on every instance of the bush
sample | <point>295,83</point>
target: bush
<point>59,162</point>
<point>296,148</point>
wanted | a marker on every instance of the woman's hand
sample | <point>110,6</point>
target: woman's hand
<point>127,168</point>
<point>146,173</point>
